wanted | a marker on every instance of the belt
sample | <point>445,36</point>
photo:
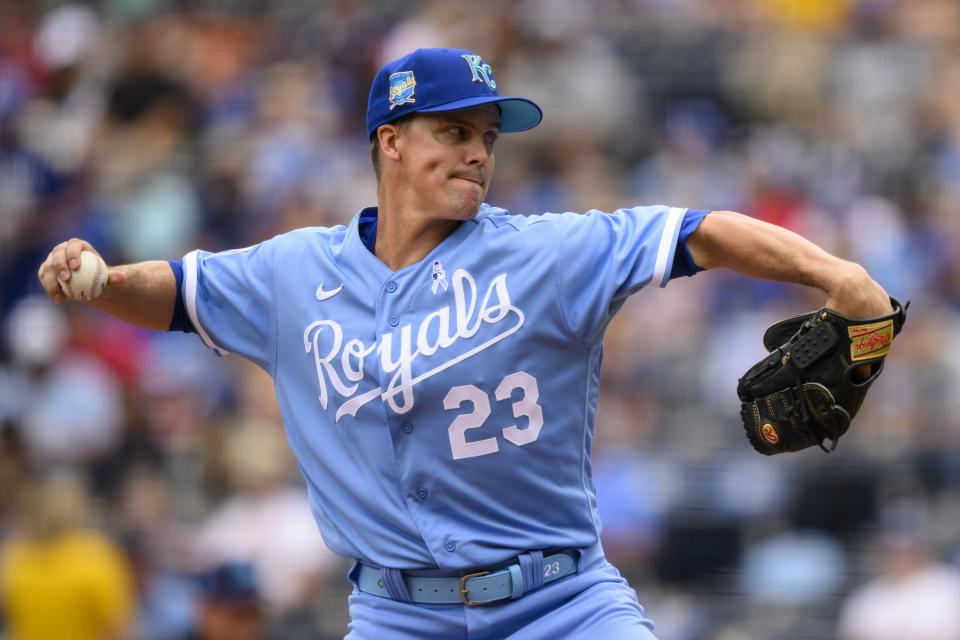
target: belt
<point>531,571</point>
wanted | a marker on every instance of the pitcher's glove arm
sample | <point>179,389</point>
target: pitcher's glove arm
<point>807,390</point>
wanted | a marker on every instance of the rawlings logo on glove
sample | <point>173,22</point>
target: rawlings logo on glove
<point>807,390</point>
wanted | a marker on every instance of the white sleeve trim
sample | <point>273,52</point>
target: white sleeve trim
<point>674,216</point>
<point>190,299</point>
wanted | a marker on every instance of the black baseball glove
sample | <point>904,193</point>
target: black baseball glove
<point>809,388</point>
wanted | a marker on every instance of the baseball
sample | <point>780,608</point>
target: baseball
<point>88,281</point>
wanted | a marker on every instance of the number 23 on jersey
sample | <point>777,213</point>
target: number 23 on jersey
<point>527,406</point>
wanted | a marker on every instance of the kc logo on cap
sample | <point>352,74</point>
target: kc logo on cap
<point>437,80</point>
<point>481,70</point>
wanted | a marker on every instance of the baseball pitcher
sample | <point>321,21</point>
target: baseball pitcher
<point>436,361</point>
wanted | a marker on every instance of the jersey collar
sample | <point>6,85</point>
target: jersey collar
<point>367,223</point>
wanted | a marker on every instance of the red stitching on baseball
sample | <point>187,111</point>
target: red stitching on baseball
<point>96,279</point>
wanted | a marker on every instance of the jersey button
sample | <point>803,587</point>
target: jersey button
<point>406,427</point>
<point>394,321</point>
<point>422,493</point>
<point>391,286</point>
<point>450,546</point>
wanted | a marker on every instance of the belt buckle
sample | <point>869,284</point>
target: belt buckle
<point>464,590</point>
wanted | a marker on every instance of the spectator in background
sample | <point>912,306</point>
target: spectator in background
<point>915,597</point>
<point>63,421</point>
<point>231,608</point>
<point>266,522</point>
<point>156,541</point>
<point>58,579</point>
<point>14,471</point>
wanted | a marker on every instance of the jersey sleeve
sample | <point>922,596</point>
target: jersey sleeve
<point>603,258</point>
<point>683,264</point>
<point>230,299</point>
<point>180,321</point>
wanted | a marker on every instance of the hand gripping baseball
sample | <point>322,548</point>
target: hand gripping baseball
<point>74,270</point>
<point>808,389</point>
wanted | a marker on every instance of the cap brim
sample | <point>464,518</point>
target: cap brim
<point>516,114</point>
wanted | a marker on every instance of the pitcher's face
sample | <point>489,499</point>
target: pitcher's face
<point>447,158</point>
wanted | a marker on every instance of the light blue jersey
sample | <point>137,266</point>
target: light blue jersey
<point>442,414</point>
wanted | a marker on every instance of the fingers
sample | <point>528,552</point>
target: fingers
<point>56,261</point>
<point>73,248</point>
<point>62,258</point>
<point>115,277</point>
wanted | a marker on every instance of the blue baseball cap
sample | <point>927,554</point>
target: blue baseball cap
<point>434,80</point>
<point>234,583</point>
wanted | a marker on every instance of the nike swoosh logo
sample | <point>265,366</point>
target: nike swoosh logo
<point>323,295</point>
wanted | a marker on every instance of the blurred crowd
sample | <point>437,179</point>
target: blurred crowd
<point>146,490</point>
